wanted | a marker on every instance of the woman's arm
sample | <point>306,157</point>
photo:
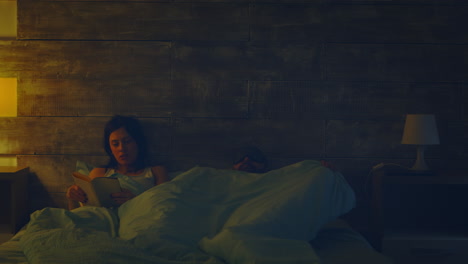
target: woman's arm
<point>97,172</point>
<point>160,175</point>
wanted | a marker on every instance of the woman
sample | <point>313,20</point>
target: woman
<point>125,144</point>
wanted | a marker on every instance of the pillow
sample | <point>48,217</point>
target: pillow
<point>83,167</point>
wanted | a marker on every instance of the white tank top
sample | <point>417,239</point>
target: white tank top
<point>145,179</point>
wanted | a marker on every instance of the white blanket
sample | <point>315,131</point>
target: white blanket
<point>204,215</point>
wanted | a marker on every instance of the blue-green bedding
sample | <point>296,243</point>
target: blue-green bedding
<point>204,215</point>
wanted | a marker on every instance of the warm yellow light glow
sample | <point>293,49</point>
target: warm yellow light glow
<point>8,97</point>
<point>8,21</point>
<point>8,160</point>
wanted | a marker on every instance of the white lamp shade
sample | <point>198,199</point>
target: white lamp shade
<point>420,130</point>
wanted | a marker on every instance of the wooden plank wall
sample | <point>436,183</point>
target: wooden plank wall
<point>319,79</point>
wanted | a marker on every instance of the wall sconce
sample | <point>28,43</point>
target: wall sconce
<point>8,108</point>
<point>420,130</point>
<point>8,19</point>
<point>8,98</point>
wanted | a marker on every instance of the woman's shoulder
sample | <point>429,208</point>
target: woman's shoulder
<point>160,173</point>
<point>158,169</point>
<point>97,172</point>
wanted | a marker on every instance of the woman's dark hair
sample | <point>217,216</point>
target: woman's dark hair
<point>254,154</point>
<point>133,127</point>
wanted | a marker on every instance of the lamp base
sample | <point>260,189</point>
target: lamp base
<point>420,164</point>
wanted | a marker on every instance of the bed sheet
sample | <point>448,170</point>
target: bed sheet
<point>10,251</point>
<point>336,243</point>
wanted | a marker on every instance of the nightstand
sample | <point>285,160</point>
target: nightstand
<point>13,182</point>
<point>421,218</point>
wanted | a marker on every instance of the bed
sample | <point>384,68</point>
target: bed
<point>209,216</point>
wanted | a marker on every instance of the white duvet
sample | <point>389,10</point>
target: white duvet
<point>204,215</point>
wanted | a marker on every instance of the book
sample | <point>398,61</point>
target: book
<point>98,190</point>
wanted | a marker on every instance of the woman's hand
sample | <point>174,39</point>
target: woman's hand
<point>122,197</point>
<point>75,193</point>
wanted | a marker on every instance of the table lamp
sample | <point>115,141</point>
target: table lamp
<point>420,130</point>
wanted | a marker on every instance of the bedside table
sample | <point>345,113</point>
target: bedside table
<point>421,218</point>
<point>13,182</point>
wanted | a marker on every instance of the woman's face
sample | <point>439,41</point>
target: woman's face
<point>123,147</point>
<point>249,165</point>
